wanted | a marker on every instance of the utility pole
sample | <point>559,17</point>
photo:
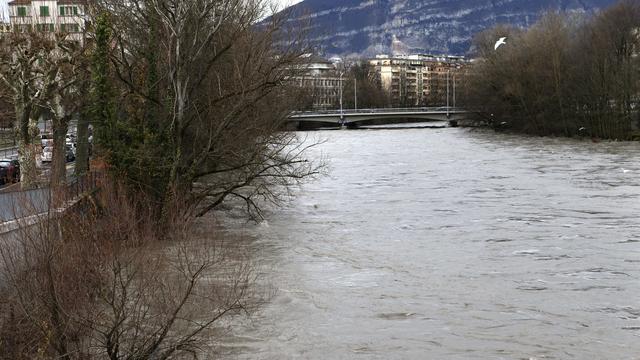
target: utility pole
<point>454,90</point>
<point>341,116</point>
<point>447,93</point>
<point>355,93</point>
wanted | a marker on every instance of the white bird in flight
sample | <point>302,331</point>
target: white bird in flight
<point>501,41</point>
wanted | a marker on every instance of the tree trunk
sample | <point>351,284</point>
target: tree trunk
<point>28,170</point>
<point>27,149</point>
<point>82,146</point>
<point>58,163</point>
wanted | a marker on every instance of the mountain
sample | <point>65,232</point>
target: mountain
<point>369,27</point>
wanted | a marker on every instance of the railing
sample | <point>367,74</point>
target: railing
<point>379,111</point>
<point>83,185</point>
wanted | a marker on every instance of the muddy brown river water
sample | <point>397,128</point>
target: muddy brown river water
<point>451,244</point>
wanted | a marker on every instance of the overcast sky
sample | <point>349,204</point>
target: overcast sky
<point>283,3</point>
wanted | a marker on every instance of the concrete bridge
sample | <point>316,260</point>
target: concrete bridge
<point>354,118</point>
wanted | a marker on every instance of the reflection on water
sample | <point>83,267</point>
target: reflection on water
<point>457,244</point>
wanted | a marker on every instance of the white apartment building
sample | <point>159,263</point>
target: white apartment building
<point>413,80</point>
<point>48,16</point>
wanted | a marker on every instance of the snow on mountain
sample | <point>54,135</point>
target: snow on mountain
<point>369,27</point>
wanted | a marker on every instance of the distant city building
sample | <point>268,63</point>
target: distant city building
<point>321,80</point>
<point>419,80</point>
<point>48,16</point>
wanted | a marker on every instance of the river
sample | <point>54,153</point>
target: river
<point>451,244</point>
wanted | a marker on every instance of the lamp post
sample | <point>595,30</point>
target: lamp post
<point>341,115</point>
<point>448,93</point>
<point>355,93</point>
<point>454,91</point>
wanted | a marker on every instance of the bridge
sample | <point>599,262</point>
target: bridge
<point>354,118</point>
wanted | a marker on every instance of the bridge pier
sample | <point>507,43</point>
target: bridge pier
<point>292,126</point>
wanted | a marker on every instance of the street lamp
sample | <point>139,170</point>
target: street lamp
<point>454,90</point>
<point>355,93</point>
<point>340,81</point>
<point>448,71</point>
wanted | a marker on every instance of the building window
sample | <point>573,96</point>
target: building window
<point>45,27</point>
<point>68,10</point>
<point>22,11</point>
<point>44,11</point>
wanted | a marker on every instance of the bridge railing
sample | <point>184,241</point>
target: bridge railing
<point>378,111</point>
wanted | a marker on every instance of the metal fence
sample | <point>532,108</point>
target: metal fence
<point>83,185</point>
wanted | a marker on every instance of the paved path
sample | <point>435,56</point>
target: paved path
<point>15,205</point>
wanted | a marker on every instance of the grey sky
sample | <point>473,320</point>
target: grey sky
<point>287,2</point>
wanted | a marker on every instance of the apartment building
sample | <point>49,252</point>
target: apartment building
<point>419,80</point>
<point>321,81</point>
<point>48,16</point>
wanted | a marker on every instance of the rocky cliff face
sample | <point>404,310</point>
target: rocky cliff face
<point>369,27</point>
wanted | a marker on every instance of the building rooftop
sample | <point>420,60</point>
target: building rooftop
<point>422,57</point>
<point>60,2</point>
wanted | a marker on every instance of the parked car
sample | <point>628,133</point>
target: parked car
<point>9,171</point>
<point>70,155</point>
<point>16,171</point>
<point>4,174</point>
<point>47,154</point>
<point>46,139</point>
<point>73,147</point>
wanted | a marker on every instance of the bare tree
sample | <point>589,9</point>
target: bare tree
<point>566,75</point>
<point>97,282</point>
<point>215,83</point>
<point>68,94</point>
<point>25,69</point>
<point>42,72</point>
<point>361,83</point>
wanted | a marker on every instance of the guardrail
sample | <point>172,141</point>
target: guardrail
<point>380,110</point>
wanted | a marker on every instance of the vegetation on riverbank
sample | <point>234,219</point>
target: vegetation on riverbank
<point>187,100</point>
<point>565,76</point>
<point>101,282</point>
